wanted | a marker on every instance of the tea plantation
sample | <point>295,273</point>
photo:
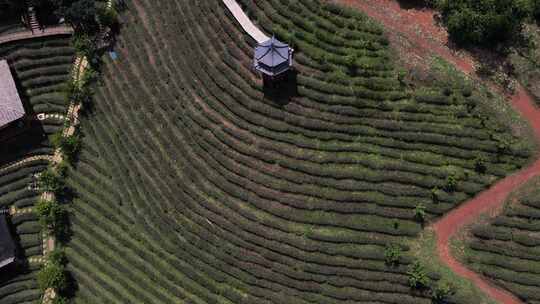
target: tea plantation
<point>197,185</point>
<point>507,249</point>
<point>40,67</point>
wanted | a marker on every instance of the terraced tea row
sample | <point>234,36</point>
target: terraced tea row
<point>506,249</point>
<point>40,68</point>
<point>214,190</point>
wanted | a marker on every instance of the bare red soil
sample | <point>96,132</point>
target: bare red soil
<point>419,26</point>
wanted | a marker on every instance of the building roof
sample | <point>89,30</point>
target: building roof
<point>11,107</point>
<point>7,246</point>
<point>273,57</point>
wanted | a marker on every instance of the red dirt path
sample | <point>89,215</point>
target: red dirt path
<point>420,28</point>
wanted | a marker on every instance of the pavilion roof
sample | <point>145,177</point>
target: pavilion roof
<point>11,107</point>
<point>273,56</point>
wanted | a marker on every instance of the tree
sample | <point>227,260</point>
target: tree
<point>52,275</point>
<point>8,6</point>
<point>484,21</point>
<point>68,145</point>
<point>52,216</point>
<point>417,276</point>
<point>420,212</point>
<point>50,181</point>
<point>107,17</point>
<point>80,13</point>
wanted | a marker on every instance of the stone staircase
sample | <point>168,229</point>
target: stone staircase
<point>32,18</point>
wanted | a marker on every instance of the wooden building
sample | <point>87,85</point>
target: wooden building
<point>7,245</point>
<point>11,106</point>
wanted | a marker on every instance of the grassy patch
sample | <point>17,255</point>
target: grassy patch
<point>424,249</point>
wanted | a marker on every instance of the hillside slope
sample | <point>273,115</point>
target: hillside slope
<point>197,184</point>
<point>41,68</point>
<point>507,249</point>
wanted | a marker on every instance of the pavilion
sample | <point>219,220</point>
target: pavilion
<point>273,58</point>
<point>7,246</point>
<point>11,106</point>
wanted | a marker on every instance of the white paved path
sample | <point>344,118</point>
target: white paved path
<point>245,22</point>
<point>49,31</point>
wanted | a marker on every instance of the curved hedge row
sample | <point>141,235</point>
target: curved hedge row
<point>507,249</point>
<point>40,68</point>
<point>196,185</point>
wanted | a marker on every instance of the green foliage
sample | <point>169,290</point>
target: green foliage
<point>84,45</point>
<point>392,253</point>
<point>79,92</point>
<point>441,292</point>
<point>484,21</point>
<point>480,164</point>
<point>60,300</point>
<point>58,256</point>
<point>82,14</point>
<point>351,61</point>
<point>107,17</point>
<point>418,278</point>
<point>451,183</point>
<point>69,146</point>
<point>435,194</point>
<point>52,275</point>
<point>52,216</point>
<point>51,181</point>
<point>420,212</point>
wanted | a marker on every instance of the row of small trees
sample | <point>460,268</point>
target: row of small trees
<point>53,214</point>
<point>418,278</point>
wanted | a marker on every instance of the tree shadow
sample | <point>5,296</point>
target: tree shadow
<point>413,4</point>
<point>282,91</point>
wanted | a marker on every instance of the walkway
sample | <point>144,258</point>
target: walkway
<point>49,31</point>
<point>427,39</point>
<point>245,22</point>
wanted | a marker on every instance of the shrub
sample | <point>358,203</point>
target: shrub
<point>392,253</point>
<point>451,183</point>
<point>84,45</point>
<point>52,275</point>
<point>435,194</point>
<point>52,215</point>
<point>70,146</point>
<point>50,181</point>
<point>58,256</point>
<point>59,300</point>
<point>420,212</point>
<point>480,164</point>
<point>441,292</point>
<point>417,276</point>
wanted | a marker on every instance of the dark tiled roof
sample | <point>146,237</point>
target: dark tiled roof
<point>7,246</point>
<point>273,57</point>
<point>11,107</point>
